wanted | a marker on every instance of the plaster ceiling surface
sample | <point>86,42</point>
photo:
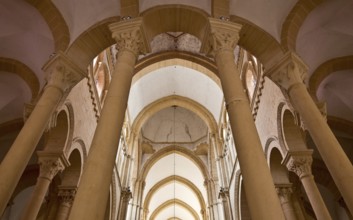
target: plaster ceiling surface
<point>326,33</point>
<point>18,93</point>
<point>205,5</point>
<point>82,14</point>
<point>268,15</point>
<point>175,80</point>
<point>339,99</point>
<point>20,24</point>
<point>174,190</point>
<point>183,167</point>
<point>174,124</point>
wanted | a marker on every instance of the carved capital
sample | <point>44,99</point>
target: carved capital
<point>67,194</point>
<point>129,35</point>
<point>221,35</point>
<point>62,73</point>
<point>290,70</point>
<point>126,194</point>
<point>299,162</point>
<point>223,193</point>
<point>284,192</point>
<point>51,163</point>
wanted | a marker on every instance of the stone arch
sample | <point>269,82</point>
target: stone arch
<point>179,179</point>
<point>174,202</point>
<point>86,47</point>
<point>279,172</point>
<point>169,58</point>
<point>258,42</point>
<point>294,21</point>
<point>78,144</point>
<point>174,100</point>
<point>55,21</point>
<point>273,143</point>
<point>57,138</point>
<point>170,150</point>
<point>327,68</point>
<point>69,111</point>
<point>71,175</point>
<point>23,71</point>
<point>290,133</point>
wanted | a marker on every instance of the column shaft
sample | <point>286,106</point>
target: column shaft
<point>97,173</point>
<point>248,146</point>
<point>315,198</point>
<point>62,76</point>
<point>36,200</point>
<point>63,212</point>
<point>285,197</point>
<point>98,170</point>
<point>330,150</point>
<point>17,158</point>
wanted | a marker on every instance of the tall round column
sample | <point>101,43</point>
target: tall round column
<point>289,74</point>
<point>300,163</point>
<point>50,165</point>
<point>97,173</point>
<point>62,76</point>
<point>222,41</point>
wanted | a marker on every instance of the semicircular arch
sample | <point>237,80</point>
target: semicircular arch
<point>170,179</point>
<point>171,203</point>
<point>170,150</point>
<point>174,100</point>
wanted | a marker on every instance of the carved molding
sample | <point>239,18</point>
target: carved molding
<point>299,162</point>
<point>129,35</point>
<point>222,35</point>
<point>288,71</point>
<point>62,73</point>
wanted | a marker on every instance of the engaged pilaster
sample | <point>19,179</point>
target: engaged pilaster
<point>285,192</point>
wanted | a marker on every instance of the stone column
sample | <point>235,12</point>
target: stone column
<point>66,196</point>
<point>300,162</point>
<point>224,196</point>
<point>62,76</point>
<point>124,201</point>
<point>50,165</point>
<point>289,74</point>
<point>284,192</point>
<point>223,38</point>
<point>97,173</point>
